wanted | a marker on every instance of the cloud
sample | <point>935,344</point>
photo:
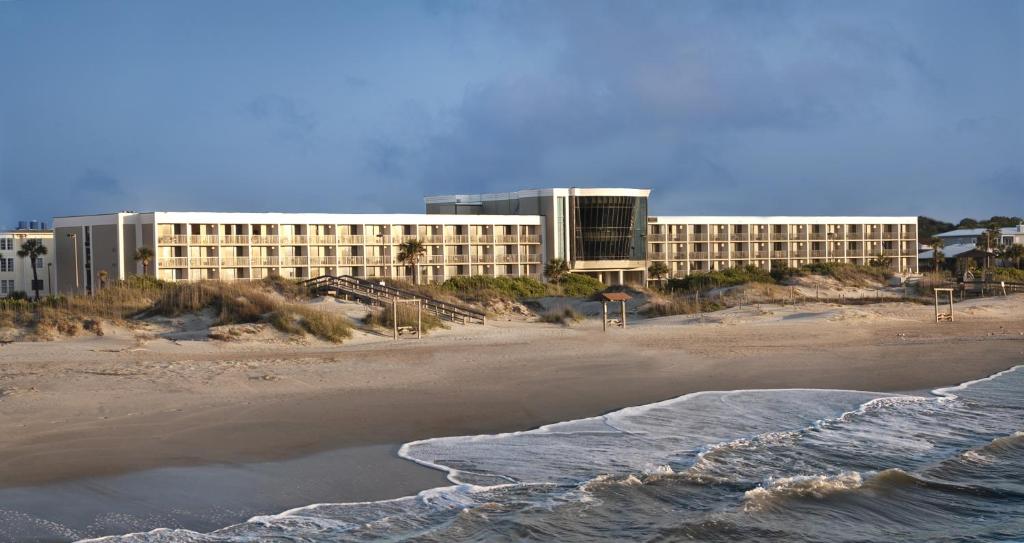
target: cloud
<point>288,118</point>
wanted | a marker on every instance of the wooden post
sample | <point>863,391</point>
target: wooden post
<point>623,314</point>
<point>419,319</point>
<point>604,316</point>
<point>394,315</point>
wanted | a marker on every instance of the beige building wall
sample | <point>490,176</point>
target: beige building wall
<point>15,272</point>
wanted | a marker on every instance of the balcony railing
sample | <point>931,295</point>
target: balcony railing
<point>506,238</point>
<point>779,254</point>
<point>763,254</point>
<point>377,260</point>
<point>433,259</point>
<point>507,258</point>
<point>323,260</point>
<point>173,262</point>
<point>202,240</point>
<point>456,239</point>
<point>698,255</point>
<point>351,239</point>
<point>656,237</point>
<point>203,262</point>
<point>818,236</point>
<point>458,259</point>
<point>890,252</point>
<point>404,238</point>
<point>263,260</point>
<point>483,258</point>
<point>350,260</point>
<point>529,238</point>
<point>264,240</point>
<point>323,240</point>
<point>483,239</point>
<point>719,255</point>
<point>294,260</point>
<point>720,237</point>
<point>656,256</point>
<point>174,239</point>
<point>760,236</point>
<point>780,236</point>
<point>433,239</point>
<point>234,240</point>
<point>678,236</point>
<point>295,240</point>
<point>741,254</point>
<point>818,254</point>
<point>700,237</point>
<point>379,239</point>
<point>529,257</point>
<point>873,235</point>
<point>677,256</point>
<point>234,261</point>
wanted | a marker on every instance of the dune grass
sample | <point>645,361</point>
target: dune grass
<point>382,317</point>
<point>563,315</point>
<point>273,301</point>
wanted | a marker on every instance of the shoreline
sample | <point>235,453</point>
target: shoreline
<point>115,411</point>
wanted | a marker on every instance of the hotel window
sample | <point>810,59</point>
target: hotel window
<point>7,244</point>
<point>6,264</point>
<point>6,287</point>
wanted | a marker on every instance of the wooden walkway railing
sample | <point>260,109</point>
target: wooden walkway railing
<point>383,295</point>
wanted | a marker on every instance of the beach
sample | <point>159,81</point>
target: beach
<point>98,407</point>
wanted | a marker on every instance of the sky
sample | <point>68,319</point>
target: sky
<point>722,107</point>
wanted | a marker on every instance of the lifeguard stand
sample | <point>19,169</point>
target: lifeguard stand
<point>606,297</point>
<point>942,315</point>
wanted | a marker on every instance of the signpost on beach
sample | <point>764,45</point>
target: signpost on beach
<point>620,297</point>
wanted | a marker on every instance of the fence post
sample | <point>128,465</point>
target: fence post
<point>394,315</point>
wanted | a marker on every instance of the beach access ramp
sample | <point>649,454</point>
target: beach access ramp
<point>375,293</point>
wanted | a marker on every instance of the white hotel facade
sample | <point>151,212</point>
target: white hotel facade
<point>605,233</point>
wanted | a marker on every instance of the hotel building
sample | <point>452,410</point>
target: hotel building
<point>606,233</point>
<point>16,272</point>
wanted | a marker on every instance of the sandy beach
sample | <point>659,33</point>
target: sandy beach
<point>95,407</point>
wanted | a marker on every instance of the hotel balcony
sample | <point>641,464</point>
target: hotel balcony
<point>678,236</point>
<point>203,262</point>
<point>891,252</point>
<point>264,240</point>
<point>233,240</point>
<point>433,239</point>
<point>294,260</point>
<point>819,236</point>
<point>433,259</point>
<point>483,258</point>
<point>720,255</point>
<point>323,240</point>
<point>505,238</point>
<point>873,235</point>
<point>529,257</point>
<point>294,240</point>
<point>656,237</point>
<point>779,254</point>
<point>763,254</point>
<point>263,260</point>
<point>677,256</point>
<point>655,256</point>
<point>698,256</point>
<point>760,237</point>
<point>351,240</point>
<point>458,259</point>
<point>741,254</point>
<point>483,239</point>
<point>529,239</point>
<point>323,260</point>
<point>818,254</point>
<point>720,237</point>
<point>456,240</point>
<point>700,237</point>
<point>202,240</point>
<point>507,258</point>
<point>234,261</point>
<point>404,238</point>
<point>173,262</point>
<point>349,260</point>
<point>379,239</point>
<point>377,260</point>
<point>173,240</point>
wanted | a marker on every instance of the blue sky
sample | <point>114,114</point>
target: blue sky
<point>721,107</point>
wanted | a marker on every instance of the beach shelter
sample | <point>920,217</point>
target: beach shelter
<point>620,297</point>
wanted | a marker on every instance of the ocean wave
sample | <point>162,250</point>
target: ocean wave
<point>800,486</point>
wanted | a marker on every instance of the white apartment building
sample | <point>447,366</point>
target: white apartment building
<point>696,244</point>
<point>16,272</point>
<point>242,246</point>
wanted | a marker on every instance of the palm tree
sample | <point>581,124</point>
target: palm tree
<point>409,253</point>
<point>33,249</point>
<point>880,261</point>
<point>144,255</point>
<point>556,269</point>
<point>1015,253</point>
<point>657,270</point>
<point>990,242</point>
<point>938,256</point>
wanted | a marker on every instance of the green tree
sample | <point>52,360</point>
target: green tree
<point>658,270</point>
<point>938,256</point>
<point>1014,253</point>
<point>145,256</point>
<point>33,249</point>
<point>409,253</point>
<point>556,269</point>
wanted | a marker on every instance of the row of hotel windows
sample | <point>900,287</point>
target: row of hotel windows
<point>7,264</point>
<point>6,287</point>
<point>6,244</point>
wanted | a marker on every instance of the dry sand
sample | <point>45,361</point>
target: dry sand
<point>101,406</point>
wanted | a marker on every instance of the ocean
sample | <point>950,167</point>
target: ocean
<point>751,465</point>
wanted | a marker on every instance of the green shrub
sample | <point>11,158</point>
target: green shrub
<point>565,315</point>
<point>1008,274</point>
<point>579,285</point>
<point>724,278</point>
<point>484,288</point>
<point>847,273</point>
